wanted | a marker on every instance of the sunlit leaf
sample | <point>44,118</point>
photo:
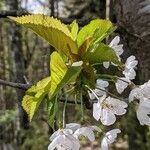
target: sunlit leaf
<point>87,31</point>
<point>52,30</point>
<point>100,53</point>
<point>74,29</point>
<point>60,74</point>
<point>35,95</point>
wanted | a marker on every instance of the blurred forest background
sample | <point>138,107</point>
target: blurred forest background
<point>24,59</point>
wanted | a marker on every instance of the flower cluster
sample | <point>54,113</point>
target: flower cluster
<point>107,106</point>
<point>68,138</point>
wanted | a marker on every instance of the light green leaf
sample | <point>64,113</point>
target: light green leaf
<point>30,104</point>
<point>100,53</point>
<point>103,31</point>
<point>88,30</point>
<point>52,30</point>
<point>43,84</point>
<point>74,29</point>
<point>35,95</point>
<point>60,74</point>
<point>58,71</point>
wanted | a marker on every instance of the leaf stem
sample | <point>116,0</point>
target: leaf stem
<point>81,98</point>
<point>64,113</point>
<point>92,92</point>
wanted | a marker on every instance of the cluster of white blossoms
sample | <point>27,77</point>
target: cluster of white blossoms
<point>107,107</point>
<point>68,138</point>
<point>142,93</point>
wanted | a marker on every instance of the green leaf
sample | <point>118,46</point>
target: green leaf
<point>58,71</point>
<point>52,30</point>
<point>74,29</point>
<point>103,31</point>
<point>52,108</point>
<point>88,30</point>
<point>30,104</point>
<point>43,84</point>
<point>35,95</point>
<point>100,53</point>
<point>60,74</point>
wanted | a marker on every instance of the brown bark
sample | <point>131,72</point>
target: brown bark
<point>18,61</point>
<point>133,22</point>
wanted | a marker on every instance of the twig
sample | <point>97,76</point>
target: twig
<point>15,85</point>
<point>14,13</point>
<point>62,99</point>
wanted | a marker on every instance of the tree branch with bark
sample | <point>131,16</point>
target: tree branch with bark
<point>15,13</point>
<point>15,85</point>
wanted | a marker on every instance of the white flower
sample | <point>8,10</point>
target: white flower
<point>64,139</point>
<point>100,84</point>
<point>141,92</point>
<point>122,84</point>
<point>118,48</point>
<point>136,93</point>
<point>67,139</point>
<point>106,109</point>
<point>129,71</point>
<point>143,111</point>
<point>109,138</point>
<point>85,131</point>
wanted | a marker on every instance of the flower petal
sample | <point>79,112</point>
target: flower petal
<point>143,111</point>
<point>73,126</point>
<point>121,85</point>
<point>104,144</point>
<point>107,117</point>
<point>85,131</point>
<point>96,111</point>
<point>57,141</point>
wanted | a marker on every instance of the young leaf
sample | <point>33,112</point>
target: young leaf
<point>35,95</point>
<point>58,71</point>
<point>74,29</point>
<point>31,103</point>
<point>103,31</point>
<point>100,53</point>
<point>88,30</point>
<point>52,30</point>
<point>60,74</point>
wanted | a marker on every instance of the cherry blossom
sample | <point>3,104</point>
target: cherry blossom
<point>85,131</point>
<point>106,108</point>
<point>130,64</point>
<point>68,138</point>
<point>140,92</point>
<point>100,90</point>
<point>109,138</point>
<point>118,48</point>
<point>143,111</point>
<point>122,84</point>
<point>63,139</point>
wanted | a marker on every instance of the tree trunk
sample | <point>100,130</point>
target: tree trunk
<point>133,22</point>
<point>17,61</point>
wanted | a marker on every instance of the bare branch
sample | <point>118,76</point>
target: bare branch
<point>15,85</point>
<point>14,13</point>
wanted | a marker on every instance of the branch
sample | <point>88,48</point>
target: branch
<point>15,85</point>
<point>14,13</point>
